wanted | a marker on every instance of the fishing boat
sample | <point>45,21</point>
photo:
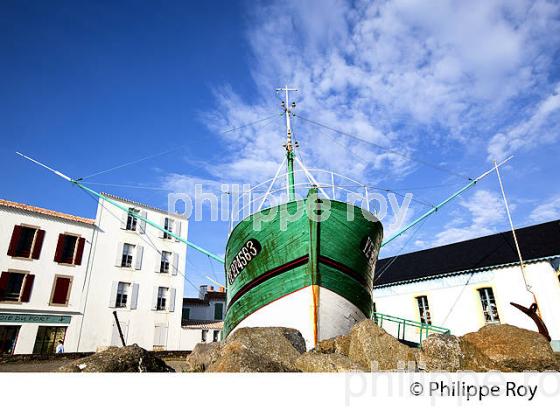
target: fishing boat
<point>306,263</point>
<point>313,273</point>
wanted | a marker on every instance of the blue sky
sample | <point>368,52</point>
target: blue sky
<point>86,86</point>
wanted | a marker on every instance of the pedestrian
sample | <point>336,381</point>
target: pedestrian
<point>60,347</point>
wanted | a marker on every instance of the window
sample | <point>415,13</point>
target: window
<point>61,290</point>
<point>168,225</point>
<point>128,251</point>
<point>489,308</point>
<point>47,339</point>
<point>26,242</point>
<point>123,290</point>
<point>131,221</point>
<point>424,310</point>
<point>165,262</point>
<point>16,286</point>
<point>69,249</point>
<point>162,298</point>
<point>218,311</point>
<point>186,313</point>
<point>8,339</point>
<point>216,335</point>
<point>204,335</point>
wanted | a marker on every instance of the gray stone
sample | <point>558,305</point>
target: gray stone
<point>373,348</point>
<point>512,348</point>
<point>326,363</point>
<point>260,349</point>
<point>202,356</point>
<point>129,359</point>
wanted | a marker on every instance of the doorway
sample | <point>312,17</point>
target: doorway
<point>8,339</point>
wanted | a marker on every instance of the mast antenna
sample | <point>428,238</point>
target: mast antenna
<point>289,144</point>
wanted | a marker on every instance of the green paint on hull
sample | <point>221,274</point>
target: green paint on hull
<point>332,253</point>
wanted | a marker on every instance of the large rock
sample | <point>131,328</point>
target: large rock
<point>326,363</point>
<point>202,356</point>
<point>118,360</point>
<point>374,349</point>
<point>446,353</point>
<point>339,344</point>
<point>512,348</point>
<point>260,349</point>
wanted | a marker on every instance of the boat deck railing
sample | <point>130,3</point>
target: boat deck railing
<point>330,185</point>
<point>408,331</point>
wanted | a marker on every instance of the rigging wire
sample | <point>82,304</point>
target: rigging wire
<point>438,167</point>
<point>399,251</point>
<point>176,148</point>
<point>145,238</point>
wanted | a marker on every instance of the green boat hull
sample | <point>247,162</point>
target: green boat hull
<point>330,253</point>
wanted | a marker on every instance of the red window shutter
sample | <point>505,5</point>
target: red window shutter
<point>27,288</point>
<point>61,288</point>
<point>80,251</point>
<point>3,283</point>
<point>59,247</point>
<point>16,234</point>
<point>39,236</point>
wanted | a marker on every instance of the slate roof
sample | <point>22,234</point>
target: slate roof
<point>536,242</point>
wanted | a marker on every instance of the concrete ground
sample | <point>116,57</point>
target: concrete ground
<point>47,366</point>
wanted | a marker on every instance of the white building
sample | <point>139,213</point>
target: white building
<point>137,271</point>
<point>466,285</point>
<point>43,259</point>
<point>203,317</point>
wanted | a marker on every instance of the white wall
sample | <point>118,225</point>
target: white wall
<point>44,270</point>
<point>205,312</point>
<point>139,323</point>
<point>191,336</point>
<point>455,303</point>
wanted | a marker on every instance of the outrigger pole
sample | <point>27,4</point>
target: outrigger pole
<point>125,209</point>
<point>444,202</point>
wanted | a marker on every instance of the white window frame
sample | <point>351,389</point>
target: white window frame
<point>128,251</point>
<point>168,225</point>
<point>162,298</point>
<point>131,220</point>
<point>424,309</point>
<point>123,289</point>
<point>489,307</point>
<point>163,268</point>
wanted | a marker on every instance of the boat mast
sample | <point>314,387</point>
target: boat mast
<point>289,145</point>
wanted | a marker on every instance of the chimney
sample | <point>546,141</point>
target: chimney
<point>221,289</point>
<point>202,291</point>
<point>211,289</point>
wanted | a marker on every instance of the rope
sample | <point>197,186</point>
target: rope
<point>168,150</point>
<point>399,252</point>
<point>438,167</point>
<point>145,238</point>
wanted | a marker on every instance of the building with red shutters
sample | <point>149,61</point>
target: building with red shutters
<point>43,263</point>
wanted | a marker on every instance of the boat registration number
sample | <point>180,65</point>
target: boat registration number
<point>245,255</point>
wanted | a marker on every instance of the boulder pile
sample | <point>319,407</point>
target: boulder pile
<point>129,359</point>
<point>370,348</point>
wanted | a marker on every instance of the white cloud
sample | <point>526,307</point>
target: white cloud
<point>485,212</point>
<point>540,128</point>
<point>548,211</point>
<point>378,66</point>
